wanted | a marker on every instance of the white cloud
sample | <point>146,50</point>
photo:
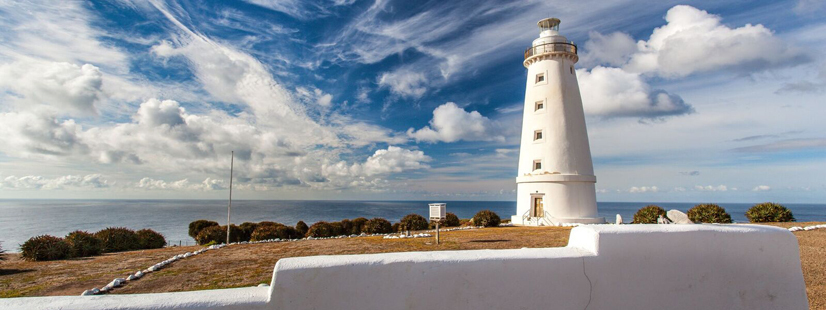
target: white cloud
<point>152,184</point>
<point>30,182</point>
<point>612,49</point>
<point>644,189</point>
<point>368,174</point>
<point>26,134</point>
<point>785,145</point>
<point>405,83</point>
<point>613,92</point>
<point>62,85</point>
<point>692,41</point>
<point>451,123</point>
<point>709,188</point>
<point>761,188</point>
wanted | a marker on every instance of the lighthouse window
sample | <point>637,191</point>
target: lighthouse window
<point>537,165</point>
<point>540,78</point>
<point>539,106</point>
<point>537,135</point>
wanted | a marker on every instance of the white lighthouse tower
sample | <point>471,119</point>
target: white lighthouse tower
<point>555,182</point>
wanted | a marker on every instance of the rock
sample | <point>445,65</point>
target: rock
<point>662,220</point>
<point>619,219</point>
<point>263,285</point>
<point>678,217</point>
<point>86,293</point>
<point>131,277</point>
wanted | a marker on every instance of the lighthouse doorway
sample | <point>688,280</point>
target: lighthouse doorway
<point>537,208</point>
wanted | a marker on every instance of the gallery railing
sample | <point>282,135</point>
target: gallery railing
<point>547,48</point>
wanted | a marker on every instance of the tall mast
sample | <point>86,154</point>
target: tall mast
<point>229,207</point>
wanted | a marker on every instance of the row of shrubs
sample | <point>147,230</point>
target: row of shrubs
<point>712,213</point>
<point>83,244</point>
<point>210,232</point>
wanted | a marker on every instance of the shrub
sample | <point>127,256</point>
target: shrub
<point>413,222</point>
<point>769,212</point>
<point>708,213</point>
<point>117,239</point>
<point>378,226</point>
<point>358,226</point>
<point>397,227</point>
<point>336,229</point>
<point>451,220</point>
<point>247,228</point>
<point>301,228</point>
<point>465,222</point>
<point>216,234</point>
<point>648,215</point>
<point>150,239</point>
<point>235,233</point>
<point>196,226</point>
<point>346,227</point>
<point>486,218</point>
<point>320,229</point>
<point>287,232</point>
<point>84,244</point>
<point>45,247</point>
<point>264,232</point>
<point>269,223</point>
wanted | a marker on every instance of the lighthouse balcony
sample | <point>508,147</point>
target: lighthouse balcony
<point>550,48</point>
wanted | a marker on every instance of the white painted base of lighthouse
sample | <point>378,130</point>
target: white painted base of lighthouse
<point>556,200</point>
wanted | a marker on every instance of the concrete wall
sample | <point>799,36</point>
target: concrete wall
<point>603,267</point>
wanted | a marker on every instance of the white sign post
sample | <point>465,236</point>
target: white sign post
<point>437,213</point>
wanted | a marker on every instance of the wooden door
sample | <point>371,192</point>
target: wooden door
<point>538,210</point>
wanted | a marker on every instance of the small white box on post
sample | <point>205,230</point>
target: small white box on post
<point>437,213</point>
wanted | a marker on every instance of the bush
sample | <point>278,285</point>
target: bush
<point>150,239</point>
<point>301,228</point>
<point>451,220</point>
<point>648,215</point>
<point>465,222</point>
<point>769,212</point>
<point>196,227</point>
<point>268,223</point>
<point>346,227</point>
<point>378,226</point>
<point>264,232</point>
<point>287,232</point>
<point>708,213</point>
<point>358,226</point>
<point>413,222</point>
<point>336,229</point>
<point>216,234</point>
<point>397,227</point>
<point>118,239</point>
<point>320,229</point>
<point>45,247</point>
<point>486,218</point>
<point>247,228</point>
<point>84,244</point>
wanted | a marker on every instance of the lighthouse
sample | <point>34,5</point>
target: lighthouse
<point>555,181</point>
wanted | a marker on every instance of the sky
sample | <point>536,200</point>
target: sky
<point>705,101</point>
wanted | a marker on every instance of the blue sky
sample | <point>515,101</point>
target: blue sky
<point>717,101</point>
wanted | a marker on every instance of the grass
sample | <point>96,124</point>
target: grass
<point>250,265</point>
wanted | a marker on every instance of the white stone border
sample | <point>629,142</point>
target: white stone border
<point>807,228</point>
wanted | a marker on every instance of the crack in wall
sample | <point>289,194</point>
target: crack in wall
<point>590,285</point>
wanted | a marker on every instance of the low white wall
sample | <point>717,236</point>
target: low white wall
<point>603,267</point>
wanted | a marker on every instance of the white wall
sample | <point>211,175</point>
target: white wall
<point>603,267</point>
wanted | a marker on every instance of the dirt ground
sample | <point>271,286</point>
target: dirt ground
<point>249,265</point>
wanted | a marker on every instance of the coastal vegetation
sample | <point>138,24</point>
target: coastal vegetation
<point>708,213</point>
<point>486,218</point>
<point>196,227</point>
<point>769,212</point>
<point>84,244</point>
<point>648,215</point>
<point>414,221</point>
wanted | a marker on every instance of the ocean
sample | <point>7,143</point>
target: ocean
<point>23,219</point>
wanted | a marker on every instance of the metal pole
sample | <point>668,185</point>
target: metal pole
<point>229,207</point>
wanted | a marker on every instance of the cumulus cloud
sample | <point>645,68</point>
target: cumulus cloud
<point>31,182</point>
<point>644,189</point>
<point>761,188</point>
<point>369,174</point>
<point>405,83</point>
<point>451,123</point>
<point>694,40</point>
<point>152,184</point>
<point>614,92</point>
<point>608,49</point>
<point>710,188</point>
<point>27,134</point>
<point>62,85</point>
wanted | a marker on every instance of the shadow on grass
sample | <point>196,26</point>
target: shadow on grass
<point>7,272</point>
<point>489,241</point>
